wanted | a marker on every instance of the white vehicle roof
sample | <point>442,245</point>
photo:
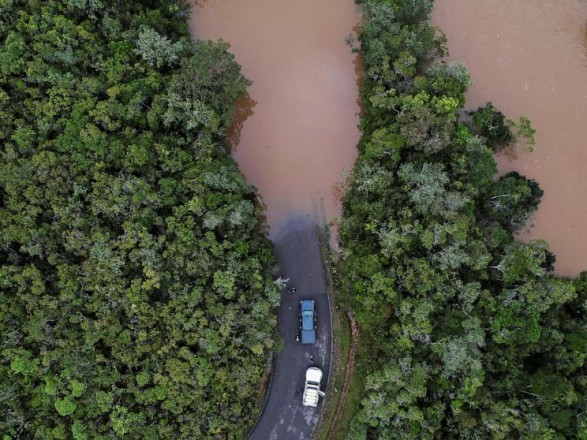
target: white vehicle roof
<point>314,374</point>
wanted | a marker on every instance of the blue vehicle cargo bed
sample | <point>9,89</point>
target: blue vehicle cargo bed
<point>308,321</point>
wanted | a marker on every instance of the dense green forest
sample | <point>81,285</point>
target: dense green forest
<point>135,273</point>
<point>468,333</point>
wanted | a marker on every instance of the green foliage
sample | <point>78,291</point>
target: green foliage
<point>65,407</point>
<point>469,333</point>
<point>446,80</point>
<point>492,125</point>
<point>156,49</point>
<point>512,201</point>
<point>500,132</point>
<point>136,279</point>
<point>523,133</point>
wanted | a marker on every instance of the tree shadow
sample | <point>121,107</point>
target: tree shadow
<point>244,109</point>
<point>509,153</point>
<point>200,3</point>
<point>354,43</point>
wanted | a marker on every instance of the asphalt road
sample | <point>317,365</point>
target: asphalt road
<point>298,253</point>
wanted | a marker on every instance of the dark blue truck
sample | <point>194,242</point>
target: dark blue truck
<point>308,321</point>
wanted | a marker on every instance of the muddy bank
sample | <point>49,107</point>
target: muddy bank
<point>301,132</point>
<point>529,58</point>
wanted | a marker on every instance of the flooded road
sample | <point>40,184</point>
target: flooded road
<point>528,57</point>
<point>303,130</point>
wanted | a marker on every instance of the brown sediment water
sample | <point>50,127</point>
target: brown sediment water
<point>528,57</point>
<point>300,131</point>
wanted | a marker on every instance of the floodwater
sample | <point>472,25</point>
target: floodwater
<point>301,132</point>
<point>528,57</point>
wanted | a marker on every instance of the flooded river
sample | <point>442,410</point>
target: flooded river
<point>302,132</point>
<point>529,58</point>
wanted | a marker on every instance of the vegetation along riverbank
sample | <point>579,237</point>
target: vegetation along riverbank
<point>468,332</point>
<point>135,275</point>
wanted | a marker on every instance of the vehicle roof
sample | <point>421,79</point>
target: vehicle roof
<point>314,374</point>
<point>307,320</point>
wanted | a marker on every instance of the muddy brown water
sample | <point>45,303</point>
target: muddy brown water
<point>528,57</point>
<point>301,130</point>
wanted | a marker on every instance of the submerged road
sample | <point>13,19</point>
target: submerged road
<point>299,257</point>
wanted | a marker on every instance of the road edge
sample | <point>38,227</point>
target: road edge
<point>271,364</point>
<point>323,241</point>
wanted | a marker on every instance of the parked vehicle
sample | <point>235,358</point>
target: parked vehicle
<point>308,321</point>
<point>312,391</point>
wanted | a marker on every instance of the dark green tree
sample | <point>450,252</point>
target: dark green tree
<point>136,278</point>
<point>467,332</point>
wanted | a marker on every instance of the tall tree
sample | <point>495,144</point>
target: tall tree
<point>469,334</point>
<point>136,279</point>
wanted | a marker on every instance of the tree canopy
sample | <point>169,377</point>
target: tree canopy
<point>136,279</point>
<point>469,333</point>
